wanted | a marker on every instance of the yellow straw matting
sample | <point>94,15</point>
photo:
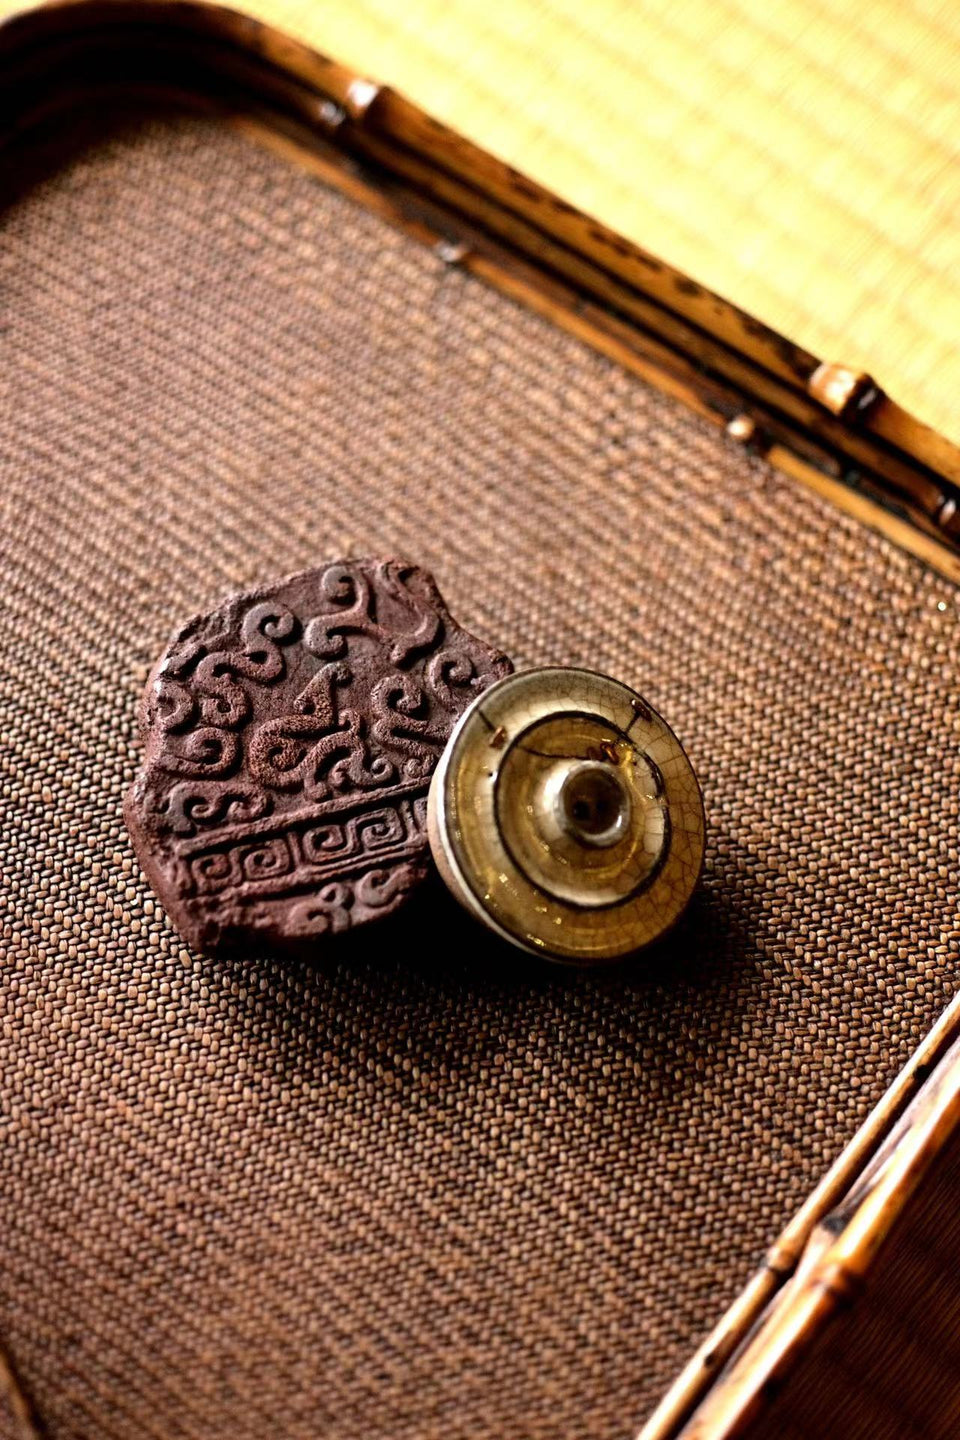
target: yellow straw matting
<point>800,158</point>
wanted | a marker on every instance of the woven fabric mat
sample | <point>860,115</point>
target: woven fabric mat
<point>800,158</point>
<point>423,1188</point>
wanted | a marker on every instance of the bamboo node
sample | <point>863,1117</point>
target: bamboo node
<point>842,390</point>
<point>361,94</point>
<point>743,429</point>
<point>330,114</point>
<point>451,252</point>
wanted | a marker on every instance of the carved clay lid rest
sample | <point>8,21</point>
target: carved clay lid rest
<point>290,735</point>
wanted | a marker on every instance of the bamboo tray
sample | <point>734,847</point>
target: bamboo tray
<point>826,427</point>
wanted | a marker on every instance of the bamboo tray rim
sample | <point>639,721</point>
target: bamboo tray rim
<point>829,427</point>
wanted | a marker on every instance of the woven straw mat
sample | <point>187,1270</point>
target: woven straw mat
<point>423,1187</point>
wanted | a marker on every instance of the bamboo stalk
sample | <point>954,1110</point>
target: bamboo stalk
<point>898,461</point>
<point>871,1145</point>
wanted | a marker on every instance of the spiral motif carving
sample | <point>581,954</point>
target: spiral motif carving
<point>290,735</point>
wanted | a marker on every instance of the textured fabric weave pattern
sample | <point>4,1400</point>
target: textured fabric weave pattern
<point>423,1188</point>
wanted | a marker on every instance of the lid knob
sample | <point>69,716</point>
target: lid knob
<point>566,816</point>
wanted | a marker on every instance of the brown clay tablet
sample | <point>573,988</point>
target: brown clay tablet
<point>290,735</point>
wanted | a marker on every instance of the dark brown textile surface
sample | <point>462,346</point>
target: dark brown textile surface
<point>425,1187</point>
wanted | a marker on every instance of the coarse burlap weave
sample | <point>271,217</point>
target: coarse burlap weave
<point>424,1187</point>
